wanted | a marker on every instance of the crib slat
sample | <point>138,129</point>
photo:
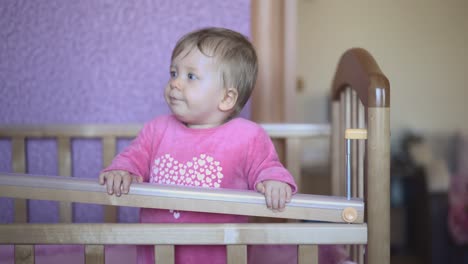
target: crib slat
<point>307,254</point>
<point>360,257</point>
<point>24,254</point>
<point>64,163</point>
<point>94,254</point>
<point>19,166</point>
<point>293,160</point>
<point>108,153</point>
<point>335,148</point>
<point>164,254</point>
<point>361,150</point>
<point>354,144</point>
<point>236,254</point>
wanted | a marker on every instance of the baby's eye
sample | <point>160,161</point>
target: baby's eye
<point>192,76</point>
<point>173,74</point>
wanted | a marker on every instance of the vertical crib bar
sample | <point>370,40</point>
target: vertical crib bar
<point>354,160</point>
<point>348,168</point>
<point>94,254</point>
<point>24,254</point>
<point>307,254</point>
<point>347,124</point>
<point>355,134</point>
<point>164,254</point>
<point>361,151</point>
<point>64,157</point>
<point>293,159</point>
<point>360,258</point>
<point>335,148</point>
<point>341,148</point>
<point>108,153</point>
<point>236,254</point>
<point>19,166</point>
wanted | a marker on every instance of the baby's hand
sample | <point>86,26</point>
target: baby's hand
<point>277,194</point>
<point>118,181</point>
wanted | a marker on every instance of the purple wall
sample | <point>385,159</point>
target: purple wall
<point>91,61</point>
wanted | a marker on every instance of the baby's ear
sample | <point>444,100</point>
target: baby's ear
<point>229,100</point>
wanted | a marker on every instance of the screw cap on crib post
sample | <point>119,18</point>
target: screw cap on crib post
<point>349,214</point>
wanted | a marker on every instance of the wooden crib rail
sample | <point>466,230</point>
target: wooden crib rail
<point>236,237</point>
<point>184,234</point>
<point>131,130</point>
<point>239,202</point>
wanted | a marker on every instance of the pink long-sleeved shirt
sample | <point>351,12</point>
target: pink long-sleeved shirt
<point>236,155</point>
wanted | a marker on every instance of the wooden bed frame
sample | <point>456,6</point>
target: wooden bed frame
<point>360,99</point>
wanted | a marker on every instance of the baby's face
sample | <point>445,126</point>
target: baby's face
<point>194,90</point>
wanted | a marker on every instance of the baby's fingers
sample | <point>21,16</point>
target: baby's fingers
<point>275,199</point>
<point>127,181</point>
<point>288,194</point>
<point>118,184</point>
<point>102,178</point>
<point>109,178</point>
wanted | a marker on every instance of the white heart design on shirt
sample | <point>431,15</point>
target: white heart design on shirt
<point>176,215</point>
<point>199,171</point>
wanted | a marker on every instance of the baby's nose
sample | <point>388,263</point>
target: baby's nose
<point>175,83</point>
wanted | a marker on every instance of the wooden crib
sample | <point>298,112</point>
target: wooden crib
<point>360,99</point>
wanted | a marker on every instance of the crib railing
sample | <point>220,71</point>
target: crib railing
<point>226,201</point>
<point>165,236</point>
<point>291,134</point>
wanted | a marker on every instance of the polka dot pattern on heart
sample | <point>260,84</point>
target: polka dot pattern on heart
<point>201,171</point>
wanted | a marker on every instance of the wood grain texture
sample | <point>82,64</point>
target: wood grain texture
<point>184,234</point>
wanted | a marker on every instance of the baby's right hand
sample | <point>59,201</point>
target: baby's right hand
<point>118,181</point>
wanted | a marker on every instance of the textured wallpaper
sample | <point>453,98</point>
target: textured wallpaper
<point>91,61</point>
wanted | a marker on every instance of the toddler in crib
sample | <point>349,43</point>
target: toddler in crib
<point>202,143</point>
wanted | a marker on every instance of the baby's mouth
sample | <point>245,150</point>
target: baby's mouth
<point>174,99</point>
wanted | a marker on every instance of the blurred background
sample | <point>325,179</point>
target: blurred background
<point>420,46</point>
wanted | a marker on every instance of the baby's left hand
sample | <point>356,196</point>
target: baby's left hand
<point>277,194</point>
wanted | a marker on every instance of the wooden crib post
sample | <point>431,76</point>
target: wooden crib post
<point>358,70</point>
<point>378,185</point>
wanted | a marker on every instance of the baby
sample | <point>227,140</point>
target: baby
<point>203,143</point>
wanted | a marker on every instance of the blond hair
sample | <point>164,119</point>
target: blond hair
<point>233,52</point>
